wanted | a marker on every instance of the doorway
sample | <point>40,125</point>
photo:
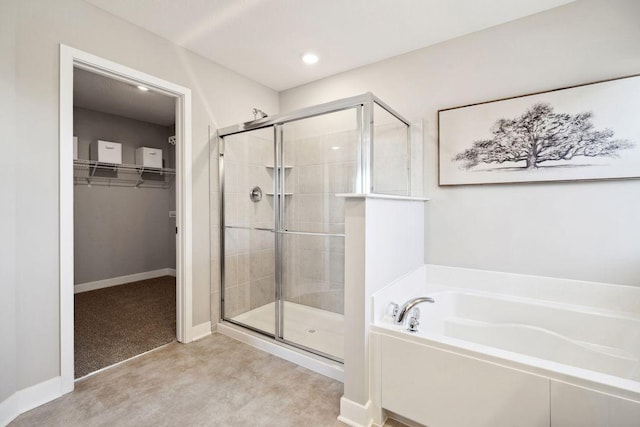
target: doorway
<point>73,59</point>
<point>124,220</point>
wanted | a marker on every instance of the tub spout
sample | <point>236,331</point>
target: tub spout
<point>407,306</point>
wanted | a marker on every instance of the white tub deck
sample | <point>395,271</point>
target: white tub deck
<point>596,340</point>
<point>507,340</point>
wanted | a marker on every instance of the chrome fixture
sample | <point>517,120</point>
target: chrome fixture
<point>256,194</point>
<point>256,112</point>
<point>400,313</point>
<point>393,309</point>
<point>412,324</point>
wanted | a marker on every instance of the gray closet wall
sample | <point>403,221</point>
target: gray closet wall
<point>121,231</point>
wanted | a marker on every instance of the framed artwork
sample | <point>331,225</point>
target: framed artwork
<point>584,132</point>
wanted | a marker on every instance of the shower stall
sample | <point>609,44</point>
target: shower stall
<point>282,215</point>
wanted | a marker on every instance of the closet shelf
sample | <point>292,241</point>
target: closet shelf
<point>91,172</point>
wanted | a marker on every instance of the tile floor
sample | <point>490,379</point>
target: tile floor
<point>215,381</point>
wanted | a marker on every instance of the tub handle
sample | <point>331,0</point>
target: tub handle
<point>393,309</point>
<point>414,320</point>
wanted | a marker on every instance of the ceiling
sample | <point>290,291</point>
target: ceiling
<point>264,39</point>
<point>99,93</point>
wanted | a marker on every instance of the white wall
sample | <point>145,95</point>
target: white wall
<point>8,213</point>
<point>30,37</point>
<point>580,230</point>
<point>120,231</point>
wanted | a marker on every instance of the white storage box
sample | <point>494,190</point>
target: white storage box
<point>149,157</point>
<point>75,148</point>
<point>106,152</point>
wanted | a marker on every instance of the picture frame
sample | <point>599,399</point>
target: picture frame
<point>584,132</point>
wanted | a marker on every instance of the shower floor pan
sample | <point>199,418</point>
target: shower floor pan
<point>311,327</point>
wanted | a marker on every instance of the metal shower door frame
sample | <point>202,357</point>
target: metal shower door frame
<point>364,105</point>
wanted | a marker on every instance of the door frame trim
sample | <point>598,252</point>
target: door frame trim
<point>70,58</point>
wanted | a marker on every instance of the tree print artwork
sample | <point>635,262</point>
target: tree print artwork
<point>540,135</point>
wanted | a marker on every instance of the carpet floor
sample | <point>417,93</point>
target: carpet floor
<point>114,324</point>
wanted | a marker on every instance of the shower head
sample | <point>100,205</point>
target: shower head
<point>256,112</point>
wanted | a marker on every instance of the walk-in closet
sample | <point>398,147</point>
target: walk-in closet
<point>124,220</point>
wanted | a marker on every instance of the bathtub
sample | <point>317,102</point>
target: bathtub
<point>500,349</point>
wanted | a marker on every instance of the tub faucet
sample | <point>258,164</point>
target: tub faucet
<point>400,313</point>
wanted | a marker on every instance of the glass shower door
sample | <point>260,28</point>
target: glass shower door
<point>248,240</point>
<point>318,160</point>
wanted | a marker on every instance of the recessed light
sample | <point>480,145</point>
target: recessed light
<point>309,58</point>
<point>335,147</point>
<point>142,88</point>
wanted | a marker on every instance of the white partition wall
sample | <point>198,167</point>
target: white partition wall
<point>384,240</point>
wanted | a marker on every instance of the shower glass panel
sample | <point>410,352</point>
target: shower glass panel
<point>320,155</point>
<point>248,272</point>
<point>282,223</point>
<point>313,284</point>
<point>391,164</point>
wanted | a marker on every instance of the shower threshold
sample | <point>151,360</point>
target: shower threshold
<point>311,327</point>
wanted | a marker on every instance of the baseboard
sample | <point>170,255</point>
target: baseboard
<point>29,398</point>
<point>200,331</point>
<point>115,281</point>
<point>322,367</point>
<point>354,414</point>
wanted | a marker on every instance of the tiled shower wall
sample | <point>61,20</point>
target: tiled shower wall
<point>391,160</point>
<point>323,166</point>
